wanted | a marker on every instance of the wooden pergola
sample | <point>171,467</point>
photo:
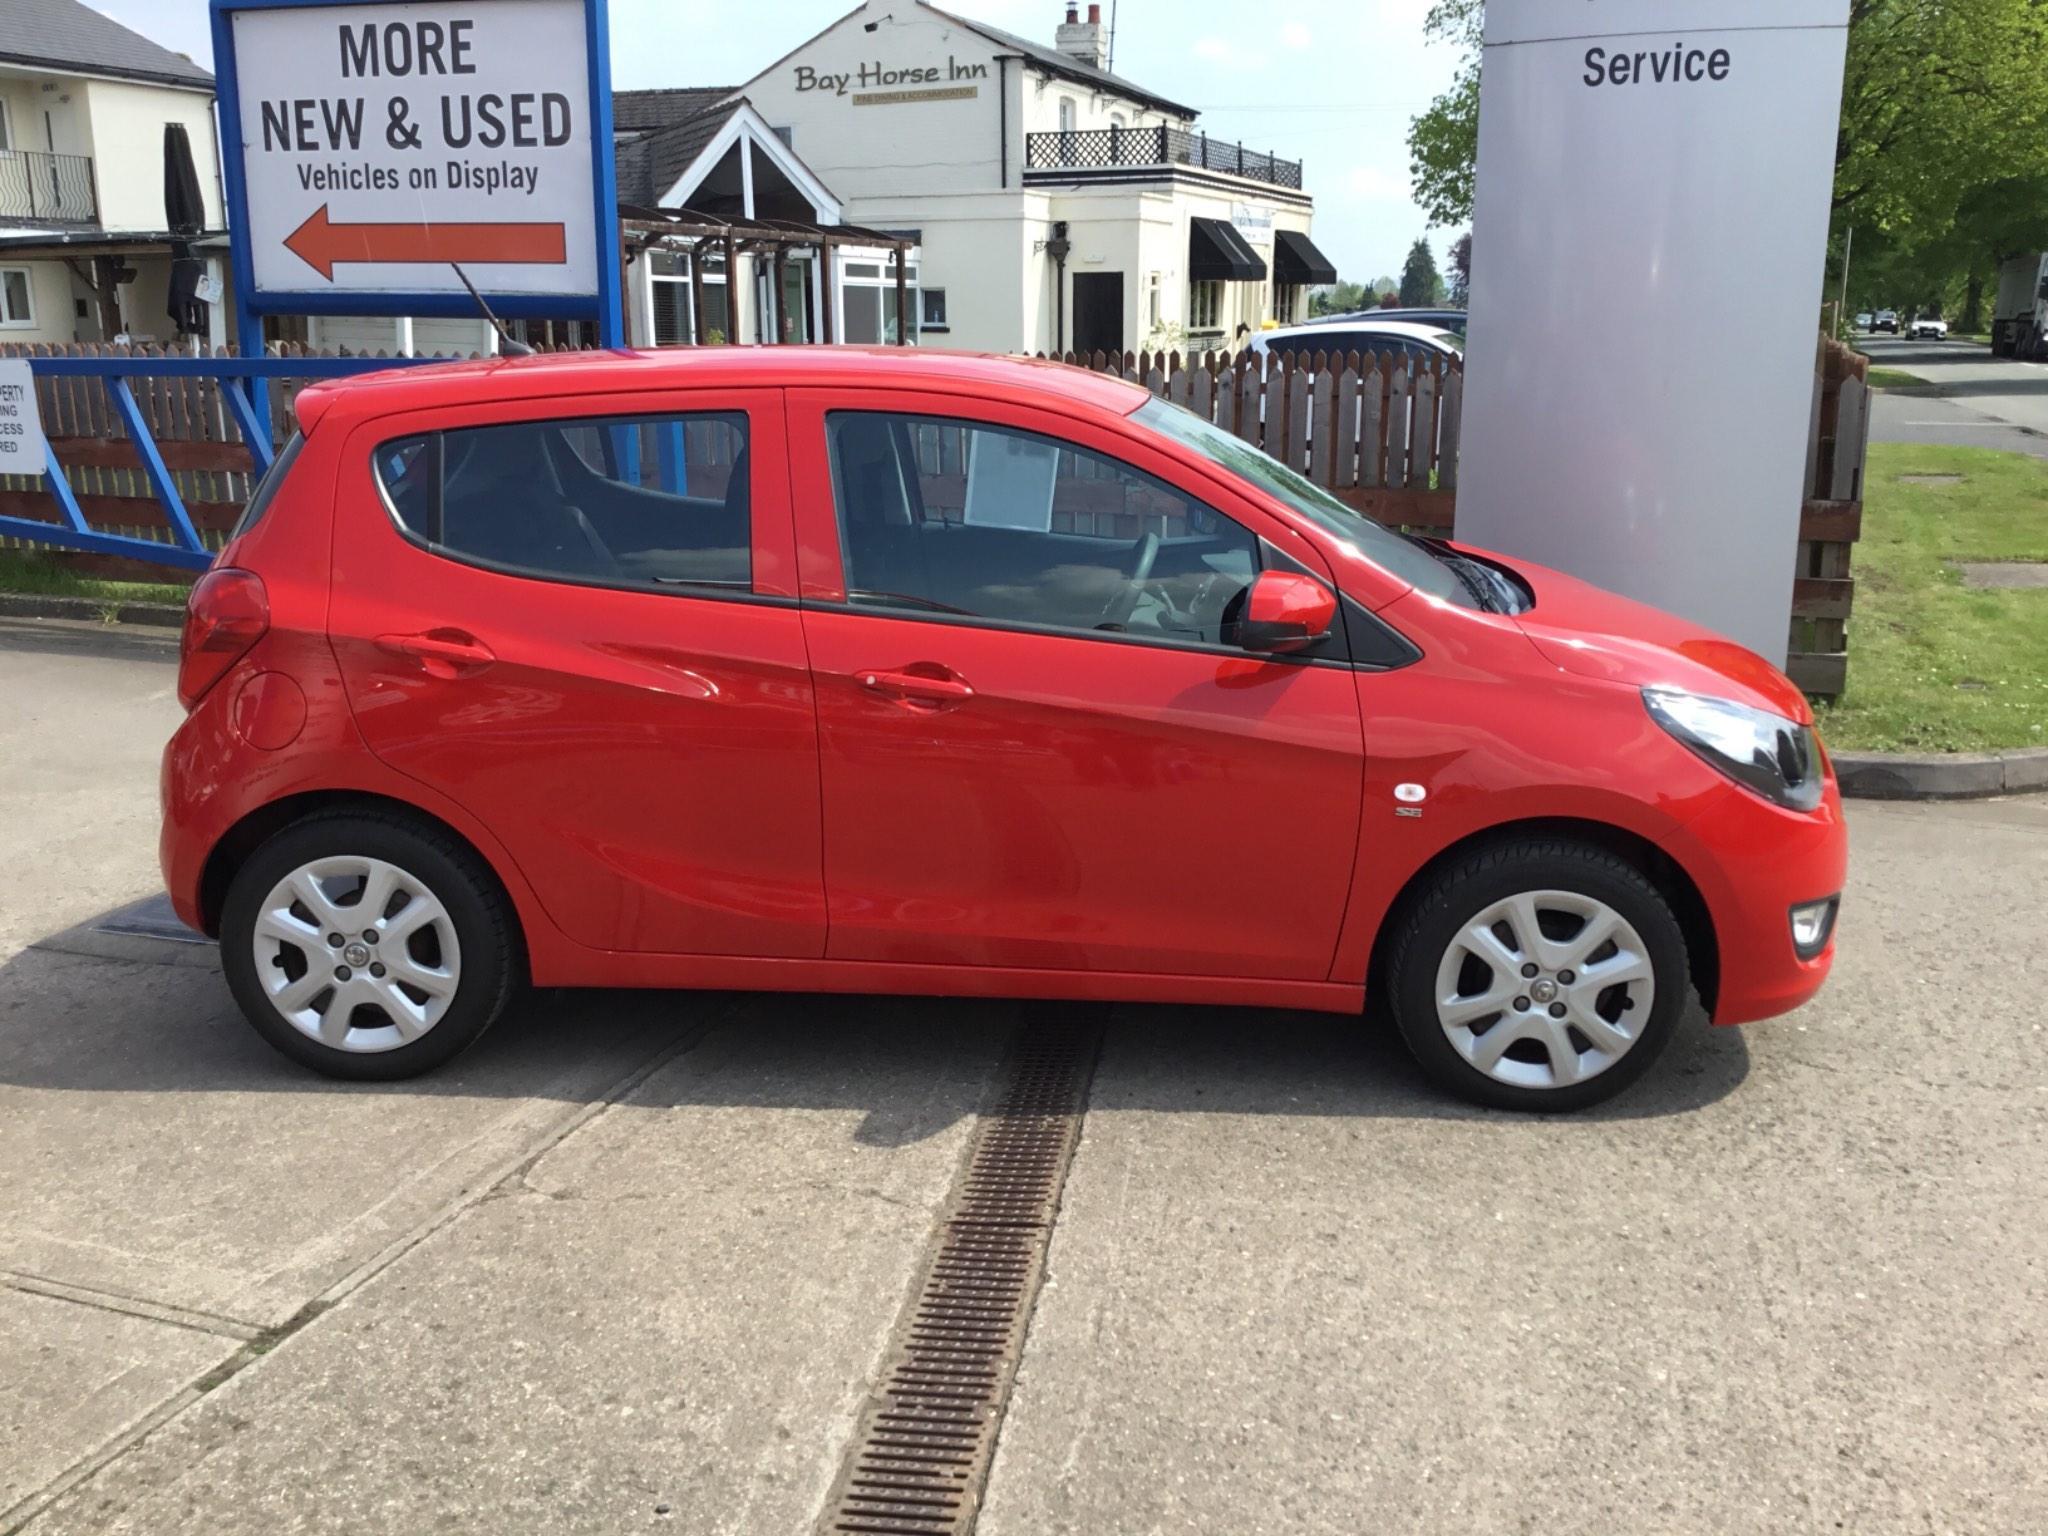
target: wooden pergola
<point>689,232</point>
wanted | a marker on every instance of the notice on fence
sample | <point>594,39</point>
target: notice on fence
<point>382,143</point>
<point>22,451</point>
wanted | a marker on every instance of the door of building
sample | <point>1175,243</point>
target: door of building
<point>1098,311</point>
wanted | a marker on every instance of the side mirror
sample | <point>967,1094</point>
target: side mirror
<point>1285,611</point>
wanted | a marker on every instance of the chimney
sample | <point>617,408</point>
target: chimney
<point>1084,41</point>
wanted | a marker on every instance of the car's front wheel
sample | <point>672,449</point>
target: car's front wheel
<point>1540,974</point>
<point>365,946</point>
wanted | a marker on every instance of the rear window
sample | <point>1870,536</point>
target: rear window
<point>266,488</point>
<point>635,501</point>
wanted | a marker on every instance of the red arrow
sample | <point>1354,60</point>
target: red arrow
<point>320,243</point>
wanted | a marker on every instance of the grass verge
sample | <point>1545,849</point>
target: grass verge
<point>1935,666</point>
<point>45,575</point>
<point>1893,378</point>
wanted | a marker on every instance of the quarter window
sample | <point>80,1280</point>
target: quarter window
<point>644,501</point>
<point>940,516</point>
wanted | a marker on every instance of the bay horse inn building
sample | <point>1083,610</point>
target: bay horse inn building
<point>1055,206</point>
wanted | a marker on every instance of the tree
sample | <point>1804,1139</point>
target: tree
<point>1421,287</point>
<point>1390,301</point>
<point>1461,271</point>
<point>1339,298</point>
<point>1938,96</point>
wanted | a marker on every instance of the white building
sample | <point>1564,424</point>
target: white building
<point>85,244</point>
<point>1057,206</point>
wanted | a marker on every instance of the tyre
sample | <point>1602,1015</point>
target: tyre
<point>1541,974</point>
<point>367,947</point>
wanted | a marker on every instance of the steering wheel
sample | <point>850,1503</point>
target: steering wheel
<point>1124,602</point>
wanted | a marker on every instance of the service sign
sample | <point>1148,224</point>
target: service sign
<point>384,144</point>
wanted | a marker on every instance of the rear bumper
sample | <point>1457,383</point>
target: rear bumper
<point>1753,864</point>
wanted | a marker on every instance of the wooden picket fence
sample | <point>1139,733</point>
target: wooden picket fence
<point>1382,436</point>
<point>193,431</point>
<point>1379,433</point>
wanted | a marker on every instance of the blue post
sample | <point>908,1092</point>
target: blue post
<point>671,458</point>
<point>153,464</point>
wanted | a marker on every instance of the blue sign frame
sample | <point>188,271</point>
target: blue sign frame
<point>605,308</point>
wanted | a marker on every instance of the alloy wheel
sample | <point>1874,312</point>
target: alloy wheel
<point>357,953</point>
<point>1544,989</point>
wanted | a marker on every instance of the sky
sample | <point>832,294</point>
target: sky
<point>1332,83</point>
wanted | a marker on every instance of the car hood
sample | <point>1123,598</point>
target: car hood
<point>1591,632</point>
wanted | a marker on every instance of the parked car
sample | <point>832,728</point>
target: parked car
<point>1887,320</point>
<point>1863,320</point>
<point>1927,328</point>
<point>832,670</point>
<point>1452,320</point>
<point>1404,338</point>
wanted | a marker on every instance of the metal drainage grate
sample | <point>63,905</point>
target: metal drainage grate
<point>917,1466</point>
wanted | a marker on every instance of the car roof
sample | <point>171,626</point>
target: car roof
<point>1410,330</point>
<point>568,375</point>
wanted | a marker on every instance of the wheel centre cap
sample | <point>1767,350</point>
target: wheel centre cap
<point>356,954</point>
<point>1543,991</point>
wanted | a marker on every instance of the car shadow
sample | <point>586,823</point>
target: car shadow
<point>88,1011</point>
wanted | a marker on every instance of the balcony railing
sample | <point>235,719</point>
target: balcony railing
<point>35,185</point>
<point>1102,149</point>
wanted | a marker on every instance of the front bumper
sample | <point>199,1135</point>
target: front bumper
<point>1754,863</point>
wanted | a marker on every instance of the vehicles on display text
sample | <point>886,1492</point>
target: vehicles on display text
<point>841,670</point>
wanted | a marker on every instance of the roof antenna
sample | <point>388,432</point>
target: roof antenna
<point>508,344</point>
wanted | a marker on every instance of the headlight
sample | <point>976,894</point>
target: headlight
<point>1776,757</point>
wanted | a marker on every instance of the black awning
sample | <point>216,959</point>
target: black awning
<point>1216,251</point>
<point>1296,260</point>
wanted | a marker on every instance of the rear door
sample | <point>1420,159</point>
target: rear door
<point>577,620</point>
<point>1038,750</point>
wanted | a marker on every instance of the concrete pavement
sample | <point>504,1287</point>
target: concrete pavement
<point>631,1264</point>
<point>1975,399</point>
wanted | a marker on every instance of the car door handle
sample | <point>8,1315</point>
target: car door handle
<point>917,687</point>
<point>441,653</point>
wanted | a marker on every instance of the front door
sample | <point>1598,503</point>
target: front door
<point>1098,311</point>
<point>1036,751</point>
<point>580,627</point>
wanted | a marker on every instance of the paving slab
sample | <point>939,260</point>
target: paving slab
<point>73,1377</point>
<point>1793,1281</point>
<point>158,1149</point>
<point>669,1321</point>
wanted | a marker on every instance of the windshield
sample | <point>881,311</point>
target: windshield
<point>1449,339</point>
<point>1392,552</point>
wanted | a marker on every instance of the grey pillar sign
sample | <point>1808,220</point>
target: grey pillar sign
<point>1649,238</point>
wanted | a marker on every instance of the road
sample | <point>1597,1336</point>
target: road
<point>632,1263</point>
<point>1977,400</point>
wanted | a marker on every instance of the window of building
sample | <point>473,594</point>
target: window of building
<point>673,323</point>
<point>1205,306</point>
<point>1287,302</point>
<point>6,127</point>
<point>867,302</point>
<point>1153,301</point>
<point>657,502</point>
<point>941,516</point>
<point>17,298</point>
<point>931,309</point>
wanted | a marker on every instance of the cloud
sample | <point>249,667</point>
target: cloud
<point>1369,183</point>
<point>1294,34</point>
<point>1220,51</point>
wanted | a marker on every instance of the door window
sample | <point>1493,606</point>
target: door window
<point>654,501</point>
<point>941,516</point>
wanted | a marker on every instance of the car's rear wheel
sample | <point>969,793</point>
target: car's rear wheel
<point>1539,975</point>
<point>368,947</point>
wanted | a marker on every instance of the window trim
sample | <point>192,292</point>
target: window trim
<point>705,590</point>
<point>28,289</point>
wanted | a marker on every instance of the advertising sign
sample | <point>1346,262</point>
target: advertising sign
<point>374,148</point>
<point>1649,236</point>
<point>22,451</point>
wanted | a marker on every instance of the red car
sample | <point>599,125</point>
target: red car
<point>831,670</point>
